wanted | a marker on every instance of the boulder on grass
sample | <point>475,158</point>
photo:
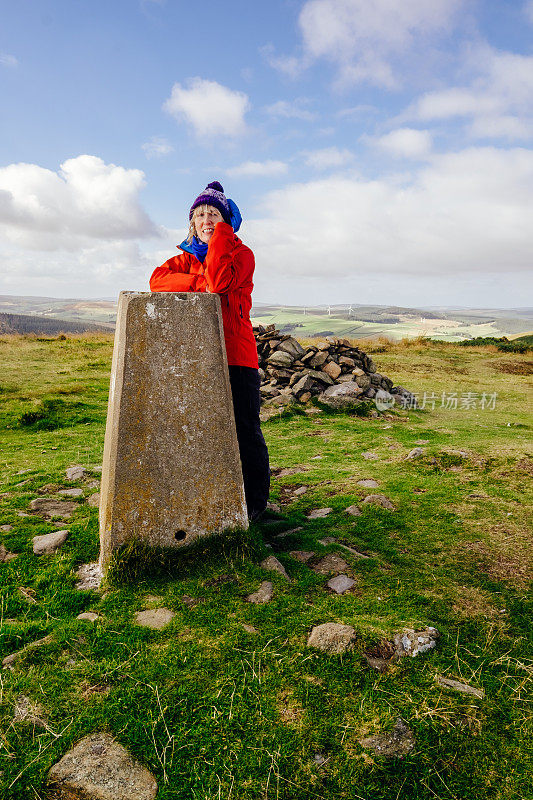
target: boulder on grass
<point>100,768</point>
<point>341,395</point>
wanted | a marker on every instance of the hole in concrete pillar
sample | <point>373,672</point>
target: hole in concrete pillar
<point>179,536</point>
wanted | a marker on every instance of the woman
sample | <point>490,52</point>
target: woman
<point>215,260</point>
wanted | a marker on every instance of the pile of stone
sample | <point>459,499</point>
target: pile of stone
<point>332,370</point>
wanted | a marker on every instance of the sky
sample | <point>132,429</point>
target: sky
<point>380,151</point>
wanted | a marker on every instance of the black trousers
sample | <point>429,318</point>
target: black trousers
<point>245,382</point>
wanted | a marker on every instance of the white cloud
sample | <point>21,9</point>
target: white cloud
<point>497,103</point>
<point>287,65</point>
<point>210,108</point>
<point>8,61</point>
<point>85,200</point>
<point>292,110</point>
<point>328,158</point>
<point>405,143</point>
<point>464,213</point>
<point>157,147</point>
<point>362,38</point>
<point>250,169</point>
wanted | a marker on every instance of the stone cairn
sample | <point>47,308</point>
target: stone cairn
<point>332,370</point>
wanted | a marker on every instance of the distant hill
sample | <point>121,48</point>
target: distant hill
<point>354,321</point>
<point>29,323</point>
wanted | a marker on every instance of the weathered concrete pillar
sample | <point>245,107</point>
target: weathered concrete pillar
<point>171,470</point>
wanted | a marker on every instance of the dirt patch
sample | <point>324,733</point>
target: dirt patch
<point>525,465</point>
<point>289,711</point>
<point>88,690</point>
<point>512,566</point>
<point>514,367</point>
<point>471,602</point>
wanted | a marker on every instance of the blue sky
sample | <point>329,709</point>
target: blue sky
<point>379,150</point>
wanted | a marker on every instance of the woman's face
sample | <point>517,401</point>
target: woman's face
<point>205,219</point>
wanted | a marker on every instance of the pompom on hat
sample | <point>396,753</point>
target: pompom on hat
<point>213,195</point>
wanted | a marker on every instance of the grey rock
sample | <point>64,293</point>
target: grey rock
<point>384,400</point>
<point>249,628</point>
<point>368,483</point>
<point>99,768</point>
<point>352,550</point>
<point>319,513</point>
<point>75,492</point>
<point>292,347</point>
<point>379,500</point>
<point>53,508</point>
<point>412,643</point>
<point>89,577</point>
<point>280,359</point>
<point>299,491</point>
<point>94,500</point>
<point>271,563</point>
<point>6,528</point>
<point>354,511</point>
<point>263,594</point>
<point>154,618</point>
<point>88,616</point>
<point>290,532</point>
<point>318,359</point>
<point>458,686</point>
<point>332,369</point>
<point>5,555</point>
<point>341,584</point>
<point>76,473</point>
<point>363,381</point>
<point>369,455</point>
<point>332,637</point>
<point>303,556</point>
<point>302,386</point>
<point>332,562</point>
<point>396,744</point>
<point>416,452</point>
<point>422,441</point>
<point>49,543</point>
<point>9,660</point>
<point>319,375</point>
<point>341,394</point>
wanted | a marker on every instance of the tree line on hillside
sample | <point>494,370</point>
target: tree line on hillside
<point>26,323</point>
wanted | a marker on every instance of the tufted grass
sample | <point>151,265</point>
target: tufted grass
<point>216,711</point>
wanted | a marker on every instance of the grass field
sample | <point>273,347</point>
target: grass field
<point>314,324</point>
<point>217,710</point>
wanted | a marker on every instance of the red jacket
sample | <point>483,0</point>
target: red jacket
<point>227,270</point>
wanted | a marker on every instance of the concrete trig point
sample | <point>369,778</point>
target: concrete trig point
<point>171,471</point>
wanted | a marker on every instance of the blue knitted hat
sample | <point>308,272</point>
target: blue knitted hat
<point>213,195</point>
